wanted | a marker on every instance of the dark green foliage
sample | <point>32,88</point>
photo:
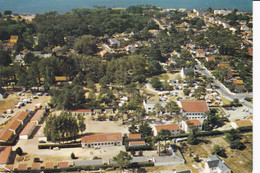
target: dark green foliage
<point>156,83</point>
<point>192,138</point>
<point>232,135</point>
<point>61,128</point>
<point>72,156</point>
<point>5,58</point>
<point>145,130</point>
<point>86,44</point>
<point>19,151</point>
<point>123,159</point>
<point>186,91</point>
<point>220,151</point>
<point>237,144</point>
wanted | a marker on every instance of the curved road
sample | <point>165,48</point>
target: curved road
<point>222,89</point>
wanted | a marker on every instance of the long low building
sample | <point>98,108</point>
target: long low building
<point>104,139</point>
<point>93,162</point>
<point>27,131</point>
<point>6,135</point>
<point>5,155</point>
<point>38,116</point>
<point>173,128</point>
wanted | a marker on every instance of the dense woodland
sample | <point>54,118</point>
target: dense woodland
<point>82,30</point>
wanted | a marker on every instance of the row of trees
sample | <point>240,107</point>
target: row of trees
<point>63,127</point>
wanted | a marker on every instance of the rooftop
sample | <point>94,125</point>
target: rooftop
<point>49,165</point>
<point>88,162</point>
<point>20,115</point>
<point>36,166</point>
<point>244,123</point>
<point>102,137</point>
<point>5,134</point>
<point>194,106</point>
<point>82,110</point>
<point>215,161</point>
<point>136,142</point>
<point>4,154</point>
<point>28,128</point>
<point>22,166</point>
<point>63,164</point>
<point>167,127</point>
<point>13,124</point>
<point>38,115</point>
<point>194,122</point>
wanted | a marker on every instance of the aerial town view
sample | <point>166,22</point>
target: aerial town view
<point>134,89</point>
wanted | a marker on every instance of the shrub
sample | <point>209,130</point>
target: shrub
<point>36,159</point>
<point>72,156</point>
<point>140,153</point>
<point>19,151</point>
<point>237,144</point>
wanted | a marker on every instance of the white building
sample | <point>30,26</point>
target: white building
<point>194,109</point>
<point>27,131</point>
<point>173,128</point>
<point>186,125</point>
<point>83,112</point>
<point>222,12</point>
<point>216,165</point>
<point>149,106</point>
<point>104,139</point>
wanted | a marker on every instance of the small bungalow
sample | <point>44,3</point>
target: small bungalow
<point>27,131</point>
<point>134,136</point>
<point>200,53</point>
<point>211,58</point>
<point>63,164</point>
<point>36,166</point>
<point>38,116</point>
<point>22,166</point>
<point>6,135</point>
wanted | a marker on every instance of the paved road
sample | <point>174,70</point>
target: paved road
<point>222,89</point>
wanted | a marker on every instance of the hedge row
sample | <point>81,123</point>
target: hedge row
<point>139,148</point>
<point>88,168</point>
<point>48,146</point>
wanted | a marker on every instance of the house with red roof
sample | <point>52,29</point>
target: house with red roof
<point>38,116</point>
<point>173,128</point>
<point>83,112</point>
<point>27,131</point>
<point>14,125</point>
<point>194,109</point>
<point>21,116</point>
<point>6,134</point>
<point>189,124</point>
<point>63,164</point>
<point>100,140</point>
<point>200,53</point>
<point>5,155</point>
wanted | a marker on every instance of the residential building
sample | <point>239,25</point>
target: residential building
<point>109,111</point>
<point>38,116</point>
<point>6,135</point>
<point>187,125</point>
<point>83,112</point>
<point>63,164</point>
<point>173,128</point>
<point>194,109</point>
<point>149,106</point>
<point>27,131</point>
<point>216,165</point>
<point>21,116</point>
<point>105,139</point>
<point>222,12</point>
<point>22,166</point>
<point>241,123</point>
<point>94,162</point>
<point>211,58</point>
<point>13,39</point>
<point>5,155</point>
<point>200,53</point>
<point>49,165</point>
<point>36,166</point>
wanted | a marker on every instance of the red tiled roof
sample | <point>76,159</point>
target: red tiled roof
<point>49,165</point>
<point>20,115</point>
<point>200,51</point>
<point>4,154</point>
<point>136,142</point>
<point>10,167</point>
<point>211,58</point>
<point>194,122</point>
<point>237,82</point>
<point>63,164</point>
<point>194,106</point>
<point>38,115</point>
<point>167,127</point>
<point>102,137</point>
<point>134,136</point>
<point>82,110</point>
<point>5,134</point>
<point>36,166</point>
<point>22,166</point>
<point>13,124</point>
<point>223,65</point>
<point>28,128</point>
